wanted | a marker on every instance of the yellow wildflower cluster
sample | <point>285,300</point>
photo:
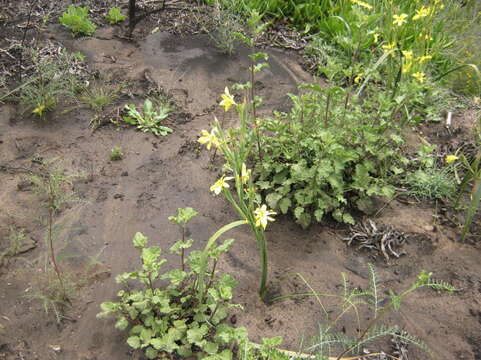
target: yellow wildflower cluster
<point>362,3</point>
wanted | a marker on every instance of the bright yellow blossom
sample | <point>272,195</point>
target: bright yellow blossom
<point>423,12</point>
<point>209,138</point>
<point>39,110</point>
<point>399,20</point>
<point>408,54</point>
<point>245,174</point>
<point>362,3</point>
<point>262,216</point>
<point>376,37</point>
<point>220,184</point>
<point>407,66</point>
<point>419,76</point>
<point>451,158</point>
<point>424,58</point>
<point>389,48</point>
<point>227,100</point>
<point>358,78</point>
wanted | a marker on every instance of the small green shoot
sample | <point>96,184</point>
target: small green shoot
<point>116,153</point>
<point>149,119</point>
<point>76,19</point>
<point>114,16</point>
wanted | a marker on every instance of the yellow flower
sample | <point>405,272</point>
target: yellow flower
<point>39,110</point>
<point>408,54</point>
<point>423,12</point>
<point>407,66</point>
<point>227,100</point>
<point>209,139</point>
<point>424,58</point>
<point>426,36</point>
<point>389,48</point>
<point>245,174</point>
<point>376,37</point>
<point>358,78</point>
<point>399,20</point>
<point>419,76</point>
<point>362,3</point>
<point>451,158</point>
<point>220,184</point>
<point>262,216</point>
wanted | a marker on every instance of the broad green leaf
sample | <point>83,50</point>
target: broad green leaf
<point>140,240</point>
<point>134,342</point>
<point>151,353</point>
<point>272,199</point>
<point>285,204</point>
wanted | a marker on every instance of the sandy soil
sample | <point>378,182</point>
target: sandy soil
<point>158,175</point>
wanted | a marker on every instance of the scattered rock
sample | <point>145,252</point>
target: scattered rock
<point>119,196</point>
<point>125,173</point>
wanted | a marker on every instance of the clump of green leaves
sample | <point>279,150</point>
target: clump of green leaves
<point>77,20</point>
<point>114,16</point>
<point>185,317</point>
<point>328,155</point>
<point>149,119</point>
<point>116,153</point>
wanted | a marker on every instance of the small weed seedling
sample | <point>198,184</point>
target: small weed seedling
<point>116,153</point>
<point>76,19</point>
<point>15,240</point>
<point>185,317</point>
<point>149,120</point>
<point>52,186</point>
<point>114,16</point>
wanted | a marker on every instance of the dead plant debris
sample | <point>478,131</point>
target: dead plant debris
<point>381,238</point>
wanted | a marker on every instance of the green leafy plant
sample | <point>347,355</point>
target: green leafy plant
<point>149,119</point>
<point>185,317</point>
<point>116,153</point>
<point>76,19</point>
<point>329,155</point>
<point>114,16</point>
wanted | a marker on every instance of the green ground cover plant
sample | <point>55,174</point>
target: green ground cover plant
<point>76,19</point>
<point>116,153</point>
<point>329,155</point>
<point>115,16</point>
<point>149,119</point>
<point>185,317</point>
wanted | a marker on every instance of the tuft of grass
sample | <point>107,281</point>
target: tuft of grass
<point>432,183</point>
<point>98,97</point>
<point>116,153</point>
